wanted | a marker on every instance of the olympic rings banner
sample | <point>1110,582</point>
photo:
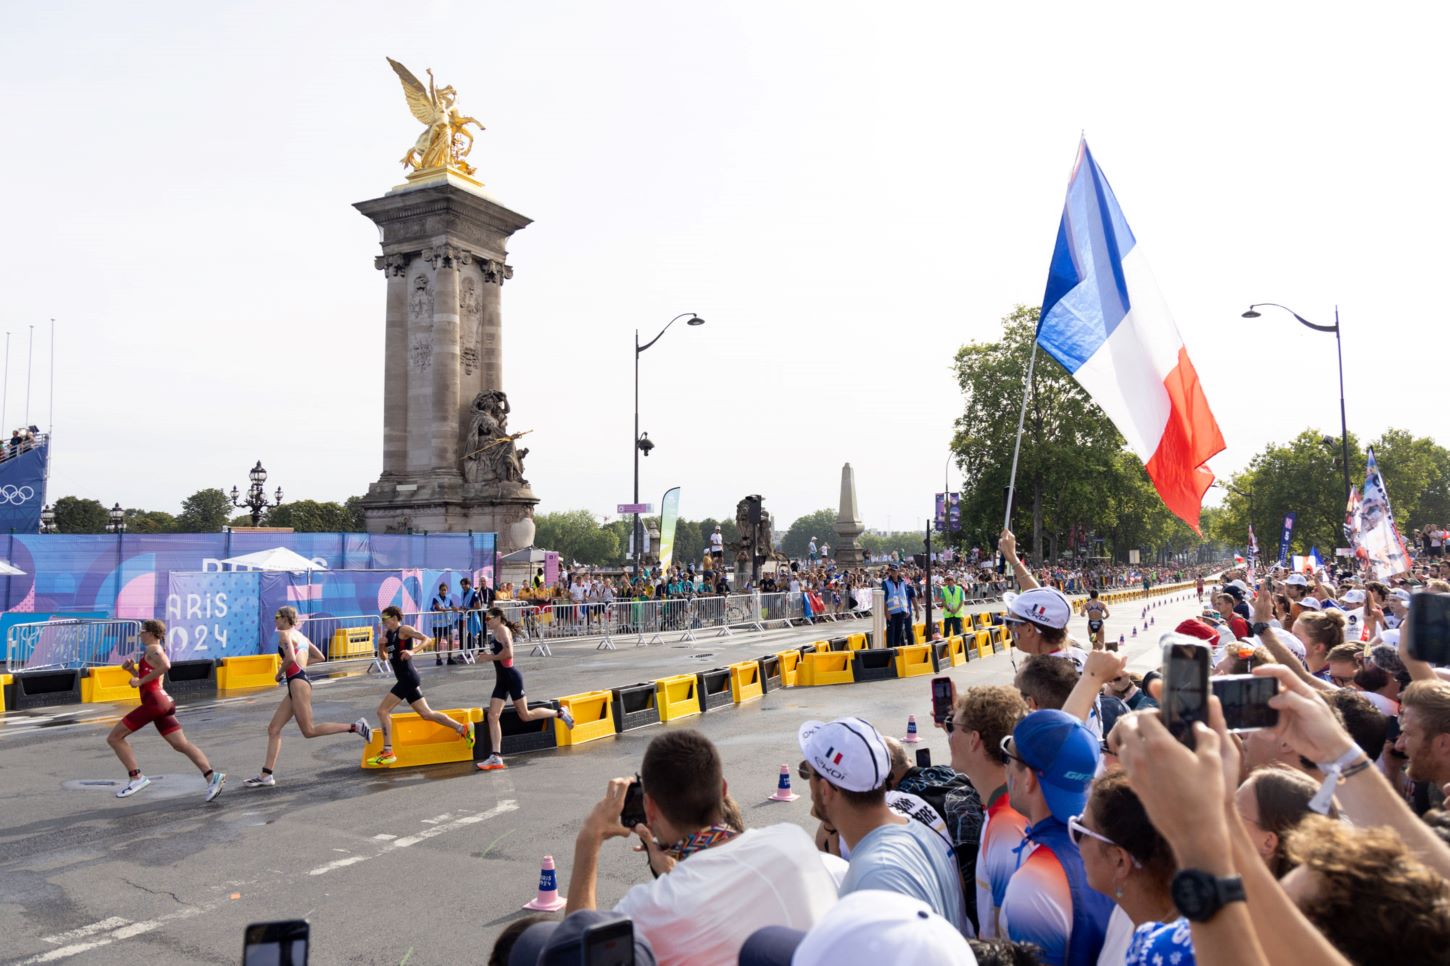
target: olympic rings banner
<point>22,490</point>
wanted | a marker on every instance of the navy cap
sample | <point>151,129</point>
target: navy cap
<point>561,943</point>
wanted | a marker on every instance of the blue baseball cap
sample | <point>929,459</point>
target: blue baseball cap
<point>1063,753</point>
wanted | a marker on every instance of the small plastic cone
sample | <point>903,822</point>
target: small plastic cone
<point>911,735</point>
<point>548,899</point>
<point>782,787</point>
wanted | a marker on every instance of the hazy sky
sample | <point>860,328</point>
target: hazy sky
<point>847,192</point>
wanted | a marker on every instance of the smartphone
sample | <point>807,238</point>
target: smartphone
<point>1245,701</point>
<point>609,943</point>
<point>633,812</point>
<point>1186,663</point>
<point>923,757</point>
<point>281,943</point>
<point>943,696</point>
<point>1429,627</point>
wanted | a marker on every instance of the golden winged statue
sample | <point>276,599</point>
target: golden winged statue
<point>445,140</point>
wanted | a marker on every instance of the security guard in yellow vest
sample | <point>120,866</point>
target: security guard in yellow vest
<point>953,599</point>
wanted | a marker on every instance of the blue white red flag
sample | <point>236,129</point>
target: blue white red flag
<point>1104,320</point>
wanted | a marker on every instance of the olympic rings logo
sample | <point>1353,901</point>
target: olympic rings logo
<point>9,493</point>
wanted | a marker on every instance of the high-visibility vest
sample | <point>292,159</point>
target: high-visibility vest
<point>952,599</point>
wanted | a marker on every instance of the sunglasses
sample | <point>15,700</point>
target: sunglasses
<point>805,772</point>
<point>1076,830</point>
<point>1006,739</point>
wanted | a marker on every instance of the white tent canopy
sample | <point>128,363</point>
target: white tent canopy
<point>278,558</point>
<point>7,569</point>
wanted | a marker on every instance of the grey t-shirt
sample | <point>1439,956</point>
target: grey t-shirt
<point>913,860</point>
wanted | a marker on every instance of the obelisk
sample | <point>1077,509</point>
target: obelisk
<point>449,463</point>
<point>848,525</point>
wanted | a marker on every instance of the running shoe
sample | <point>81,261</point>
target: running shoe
<point>141,781</point>
<point>261,781</point>
<point>364,729</point>
<point>492,763</point>
<point>566,717</point>
<point>468,736</point>
<point>386,758</point>
<point>214,784</point>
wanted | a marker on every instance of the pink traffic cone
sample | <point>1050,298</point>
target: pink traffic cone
<point>911,735</point>
<point>548,899</point>
<point>1135,630</point>
<point>1152,620</point>
<point>1122,640</point>
<point>782,788</point>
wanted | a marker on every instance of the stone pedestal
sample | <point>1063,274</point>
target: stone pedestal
<point>444,257</point>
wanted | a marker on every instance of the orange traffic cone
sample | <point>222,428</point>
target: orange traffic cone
<point>911,735</point>
<point>548,899</point>
<point>782,788</point>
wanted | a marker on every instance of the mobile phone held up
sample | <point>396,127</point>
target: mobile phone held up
<point>923,757</point>
<point>1245,701</point>
<point>609,943</point>
<point>1429,627</point>
<point>281,943</point>
<point>943,694</point>
<point>1185,684</point>
<point>633,812</point>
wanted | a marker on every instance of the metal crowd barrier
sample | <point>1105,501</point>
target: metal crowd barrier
<point>355,637</point>
<point>70,644</point>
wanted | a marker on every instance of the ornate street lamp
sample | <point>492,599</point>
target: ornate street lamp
<point>118,519</point>
<point>641,442</point>
<point>47,520</point>
<point>256,501</point>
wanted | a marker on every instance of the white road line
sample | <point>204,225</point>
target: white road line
<point>103,926</point>
<point>384,837</point>
<point>124,932</point>
<point>339,864</point>
<point>423,836</point>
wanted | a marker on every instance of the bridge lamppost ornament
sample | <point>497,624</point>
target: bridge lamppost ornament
<point>118,519</point>
<point>47,520</point>
<point>256,500</point>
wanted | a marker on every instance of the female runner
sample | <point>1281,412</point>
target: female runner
<point>396,636</point>
<point>509,684</point>
<point>295,650</point>
<point>156,708</point>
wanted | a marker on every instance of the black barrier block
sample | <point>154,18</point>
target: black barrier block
<point>769,672</point>
<point>191,677</point>
<point>941,654</point>
<point>38,689</point>
<point>839,644</point>
<point>874,664</point>
<point>518,736</point>
<point>634,706</point>
<point>714,688</point>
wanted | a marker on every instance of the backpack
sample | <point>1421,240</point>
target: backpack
<point>957,802</point>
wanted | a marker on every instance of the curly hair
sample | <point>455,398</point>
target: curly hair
<point>991,710</point>
<point>1373,897</point>
<point>1324,627</point>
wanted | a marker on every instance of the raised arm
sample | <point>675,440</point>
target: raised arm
<point>1007,543</point>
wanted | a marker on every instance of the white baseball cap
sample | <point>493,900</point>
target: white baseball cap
<point>1309,603</point>
<point>1353,597</point>
<point>1297,580</point>
<point>848,752</point>
<point>865,928</point>
<point>1400,594</point>
<point>1040,605</point>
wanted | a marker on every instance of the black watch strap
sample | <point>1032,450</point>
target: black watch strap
<point>1258,627</point>
<point>1199,895</point>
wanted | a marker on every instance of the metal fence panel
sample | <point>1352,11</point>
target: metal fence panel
<point>70,644</point>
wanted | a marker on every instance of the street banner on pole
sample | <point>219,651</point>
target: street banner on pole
<point>669,516</point>
<point>1285,536</point>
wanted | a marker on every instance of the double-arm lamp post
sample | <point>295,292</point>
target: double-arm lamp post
<point>642,442</point>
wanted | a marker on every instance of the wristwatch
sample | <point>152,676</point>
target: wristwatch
<point>1200,895</point>
<point>1258,627</point>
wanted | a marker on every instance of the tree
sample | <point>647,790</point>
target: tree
<point>797,539</point>
<point>357,521</point>
<point>74,514</point>
<point>310,516</point>
<point>149,521</point>
<point>577,536</point>
<point>1416,472</point>
<point>205,511</point>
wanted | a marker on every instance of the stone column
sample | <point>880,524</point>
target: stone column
<point>395,365</point>
<point>417,443</point>
<point>443,434</point>
<point>490,349</point>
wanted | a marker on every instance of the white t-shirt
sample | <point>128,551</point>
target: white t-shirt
<point>709,904</point>
<point>717,542</point>
<point>1119,935</point>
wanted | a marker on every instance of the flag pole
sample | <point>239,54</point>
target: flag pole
<point>1017,447</point>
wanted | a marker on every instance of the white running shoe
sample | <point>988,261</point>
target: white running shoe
<point>214,784</point>
<point>364,729</point>
<point>133,786</point>
<point>261,781</point>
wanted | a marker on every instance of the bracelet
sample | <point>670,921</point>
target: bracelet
<point>1334,773</point>
<point>1353,770</point>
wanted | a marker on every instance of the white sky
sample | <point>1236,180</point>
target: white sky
<point>845,191</point>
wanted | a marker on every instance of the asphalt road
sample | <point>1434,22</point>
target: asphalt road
<point>410,866</point>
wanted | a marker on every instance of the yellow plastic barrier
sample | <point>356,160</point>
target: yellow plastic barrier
<point>252,671</point>
<point>918,633</point>
<point>348,642</point>
<point>822,647</point>
<point>820,669</point>
<point>593,718</point>
<point>956,649</point>
<point>789,667</point>
<point>745,683</point>
<point>677,696</point>
<point>1001,638</point>
<point>856,642</point>
<point>983,619</point>
<point>5,681</point>
<point>417,741</point>
<point>984,643</point>
<point>108,684</point>
<point>914,660</point>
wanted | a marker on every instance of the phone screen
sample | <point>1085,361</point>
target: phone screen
<point>276,944</point>
<point>633,812</point>
<point>943,693</point>
<point>923,757</point>
<point>1245,701</point>
<point>1185,684</point>
<point>1430,627</point>
<point>609,944</point>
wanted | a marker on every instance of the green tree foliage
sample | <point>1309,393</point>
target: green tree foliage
<point>357,521</point>
<point>310,516</point>
<point>577,536</point>
<point>1416,471</point>
<point>906,544</point>
<point>75,514</point>
<point>150,521</point>
<point>797,539</point>
<point>205,511</point>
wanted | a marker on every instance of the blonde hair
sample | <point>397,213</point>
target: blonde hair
<point>288,614</point>
<point>1326,627</point>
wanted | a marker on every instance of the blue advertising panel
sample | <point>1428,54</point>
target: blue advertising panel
<point>22,488</point>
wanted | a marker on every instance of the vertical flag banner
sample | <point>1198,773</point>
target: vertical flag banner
<point>1105,322</point>
<point>940,518</point>
<point>1253,545</point>
<point>1372,532</point>
<point>1285,536</point>
<point>669,516</point>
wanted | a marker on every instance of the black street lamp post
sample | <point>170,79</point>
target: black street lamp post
<point>118,519</point>
<point>256,500</point>
<point>641,441</point>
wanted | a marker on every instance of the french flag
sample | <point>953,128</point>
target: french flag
<point>1104,320</point>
